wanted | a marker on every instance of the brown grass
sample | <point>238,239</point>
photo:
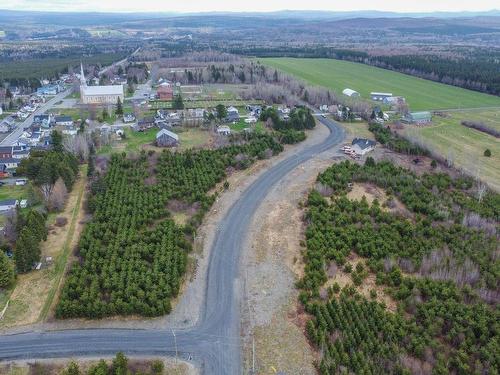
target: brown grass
<point>32,289</point>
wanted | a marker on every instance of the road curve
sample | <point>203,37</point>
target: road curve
<point>214,343</point>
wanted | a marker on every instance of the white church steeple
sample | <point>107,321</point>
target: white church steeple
<point>83,82</point>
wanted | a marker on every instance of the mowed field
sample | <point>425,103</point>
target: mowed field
<point>464,145</point>
<point>420,94</point>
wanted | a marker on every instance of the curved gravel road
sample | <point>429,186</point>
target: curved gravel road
<point>214,343</point>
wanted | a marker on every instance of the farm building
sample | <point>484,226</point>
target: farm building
<point>361,145</point>
<point>380,96</point>
<point>8,204</point>
<point>166,138</point>
<point>393,100</point>
<point>351,93</point>
<point>417,118</point>
<point>165,92</point>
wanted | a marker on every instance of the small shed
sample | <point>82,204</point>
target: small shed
<point>351,93</point>
<point>166,138</point>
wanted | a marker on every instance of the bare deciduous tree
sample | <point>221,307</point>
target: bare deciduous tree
<point>58,196</point>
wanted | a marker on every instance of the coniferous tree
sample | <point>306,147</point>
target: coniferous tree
<point>27,251</point>
<point>7,274</point>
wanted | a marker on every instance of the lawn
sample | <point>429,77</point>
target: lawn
<point>464,145</point>
<point>13,192</point>
<point>420,94</point>
<point>137,141</point>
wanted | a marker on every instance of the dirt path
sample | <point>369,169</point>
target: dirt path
<point>31,299</point>
<point>271,265</point>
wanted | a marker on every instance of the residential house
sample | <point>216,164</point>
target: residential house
<point>232,114</point>
<point>19,153</point>
<point>64,121</point>
<point>146,123</point>
<point>361,145</point>
<point>45,121</point>
<point>223,130</point>
<point>166,138</point>
<point>49,90</point>
<point>5,152</point>
<point>10,163</point>
<point>8,204</point>
<point>128,117</point>
<point>7,125</point>
<point>417,118</point>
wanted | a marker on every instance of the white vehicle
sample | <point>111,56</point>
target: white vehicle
<point>21,181</point>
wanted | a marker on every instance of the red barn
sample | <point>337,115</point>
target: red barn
<point>165,93</point>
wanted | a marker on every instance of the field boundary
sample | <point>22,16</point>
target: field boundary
<point>62,261</point>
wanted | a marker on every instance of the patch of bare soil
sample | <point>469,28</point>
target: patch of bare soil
<point>272,264</point>
<point>342,278</point>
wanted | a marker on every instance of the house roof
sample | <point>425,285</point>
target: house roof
<point>363,143</point>
<point>63,119</point>
<point>420,115</point>
<point>4,149</point>
<point>102,90</point>
<point>8,202</point>
<point>167,133</point>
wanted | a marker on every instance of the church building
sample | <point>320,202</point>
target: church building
<point>99,94</point>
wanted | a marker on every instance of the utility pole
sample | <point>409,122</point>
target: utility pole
<point>175,342</point>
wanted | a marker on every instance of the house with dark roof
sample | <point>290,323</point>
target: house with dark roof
<point>64,121</point>
<point>232,114</point>
<point>362,145</point>
<point>8,204</point>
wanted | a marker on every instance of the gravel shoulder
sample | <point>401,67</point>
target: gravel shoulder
<point>273,323</point>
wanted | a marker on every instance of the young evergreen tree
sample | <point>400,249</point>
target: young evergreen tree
<point>7,274</point>
<point>119,107</point>
<point>27,250</point>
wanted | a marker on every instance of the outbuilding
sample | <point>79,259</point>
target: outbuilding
<point>351,93</point>
<point>418,118</point>
<point>380,96</point>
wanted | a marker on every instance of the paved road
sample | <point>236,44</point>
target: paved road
<point>214,343</point>
<point>11,138</point>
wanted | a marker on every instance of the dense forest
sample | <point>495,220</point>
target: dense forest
<point>439,263</point>
<point>133,255</point>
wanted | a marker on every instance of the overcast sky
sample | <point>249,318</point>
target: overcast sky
<point>246,5</point>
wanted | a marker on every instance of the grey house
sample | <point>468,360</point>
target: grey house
<point>166,138</point>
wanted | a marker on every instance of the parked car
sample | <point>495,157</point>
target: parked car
<point>21,181</point>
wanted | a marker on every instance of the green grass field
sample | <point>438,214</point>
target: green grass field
<point>466,146</point>
<point>420,94</point>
